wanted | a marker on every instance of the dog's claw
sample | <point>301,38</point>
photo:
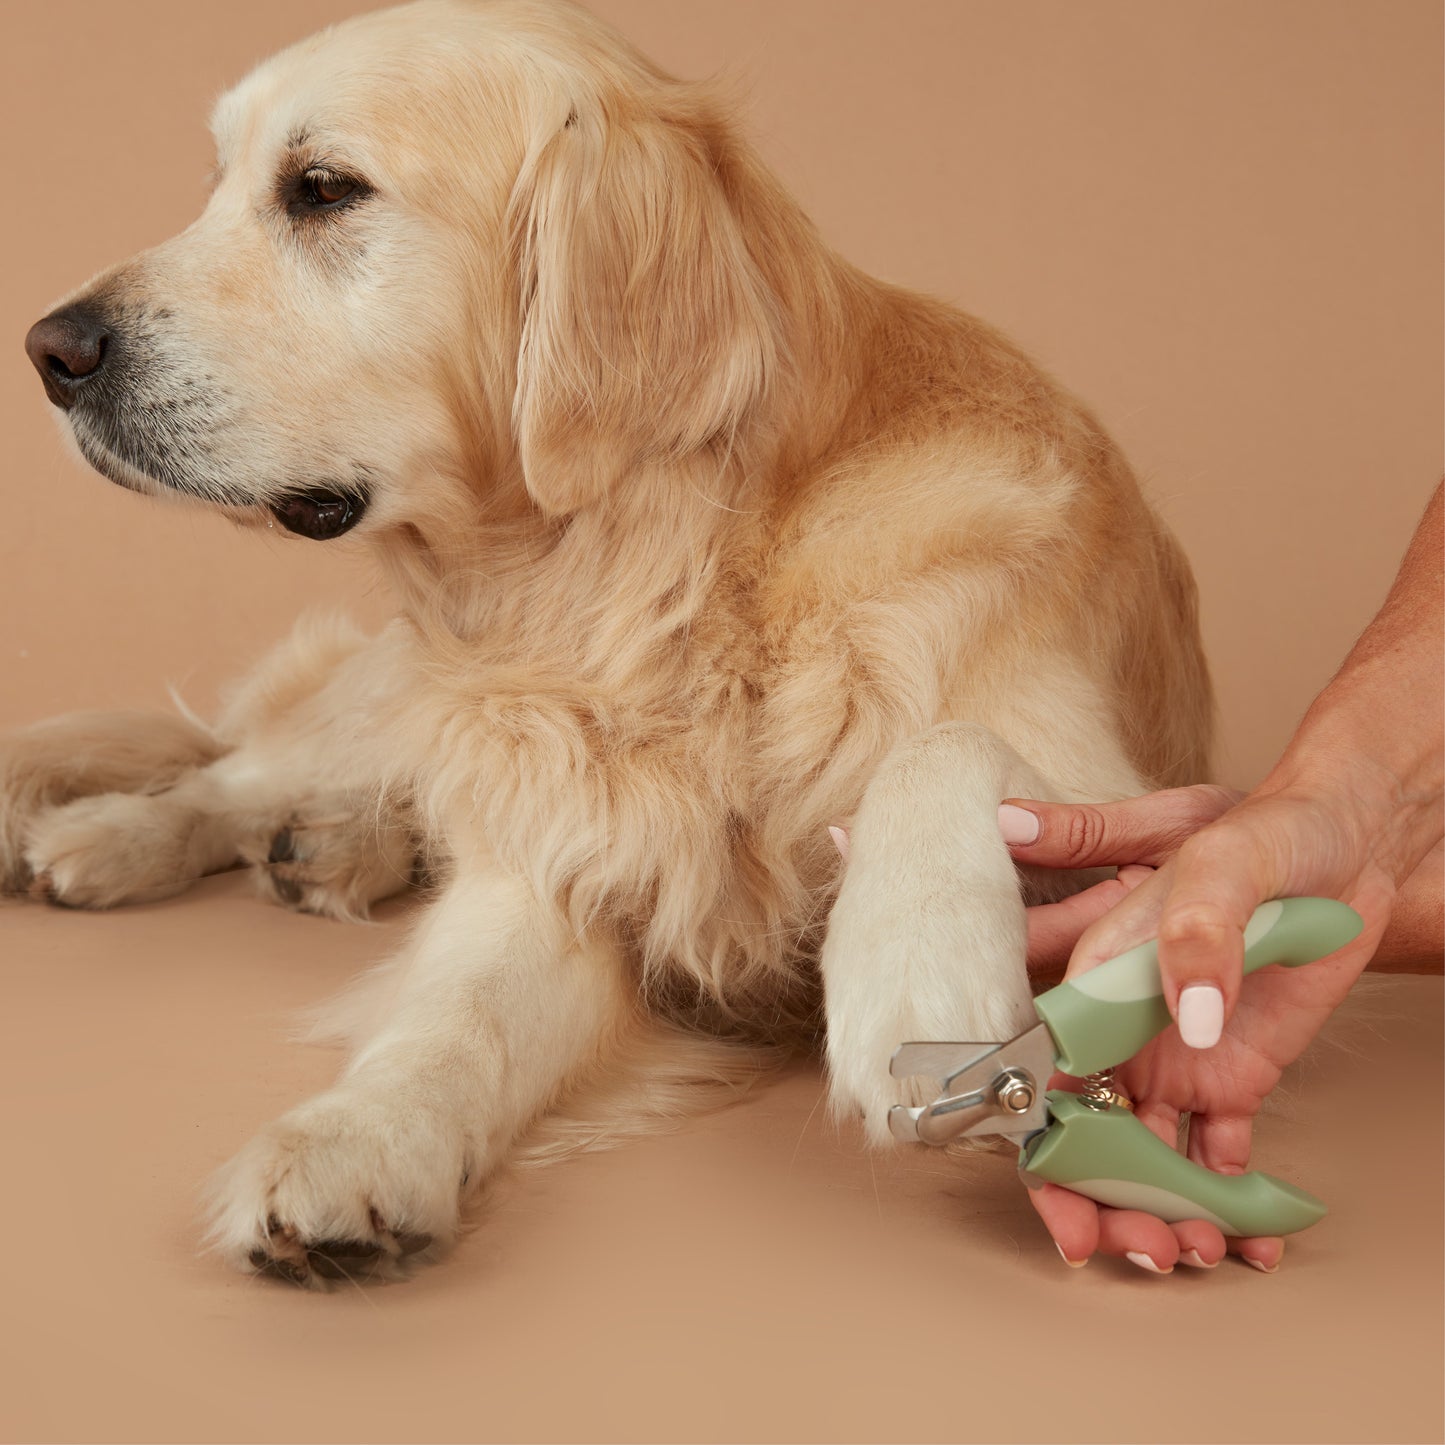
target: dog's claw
<point>288,1257</point>
<point>43,890</point>
<point>287,1270</point>
<point>343,1258</point>
<point>288,890</point>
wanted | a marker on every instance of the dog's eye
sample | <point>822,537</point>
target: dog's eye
<point>327,191</point>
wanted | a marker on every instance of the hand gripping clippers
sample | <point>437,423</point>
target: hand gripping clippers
<point>1089,1142</point>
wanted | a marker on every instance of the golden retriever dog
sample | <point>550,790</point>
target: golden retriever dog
<point>701,540</point>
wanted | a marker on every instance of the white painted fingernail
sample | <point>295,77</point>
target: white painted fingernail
<point>1018,825</point>
<point>1144,1262</point>
<point>1072,1263</point>
<point>1261,1266</point>
<point>840,840</point>
<point>1195,1260</point>
<point>1201,1015</point>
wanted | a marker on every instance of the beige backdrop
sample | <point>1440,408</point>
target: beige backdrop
<point>1217,220</point>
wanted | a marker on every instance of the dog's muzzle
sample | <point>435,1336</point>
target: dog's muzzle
<point>103,371</point>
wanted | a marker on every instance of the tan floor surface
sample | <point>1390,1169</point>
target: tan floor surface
<point>753,1277</point>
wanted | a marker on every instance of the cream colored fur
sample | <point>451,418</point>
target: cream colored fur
<point>701,540</point>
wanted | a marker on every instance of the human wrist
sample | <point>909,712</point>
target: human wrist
<point>1384,788</point>
<point>1412,939</point>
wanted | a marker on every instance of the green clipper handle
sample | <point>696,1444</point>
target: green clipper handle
<point>1108,1014</point>
<point>1110,1156</point>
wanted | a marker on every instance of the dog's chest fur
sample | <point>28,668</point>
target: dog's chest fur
<point>667,769</point>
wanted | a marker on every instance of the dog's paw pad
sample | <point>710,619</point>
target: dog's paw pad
<point>313,1264</point>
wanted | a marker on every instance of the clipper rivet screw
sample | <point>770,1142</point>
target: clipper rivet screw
<point>1014,1090</point>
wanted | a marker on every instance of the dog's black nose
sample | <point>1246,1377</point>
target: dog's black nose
<point>68,349</point>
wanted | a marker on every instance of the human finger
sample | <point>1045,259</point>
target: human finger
<point>1088,835</point>
<point>1071,1219</point>
<point>1054,928</point>
<point>1140,1238</point>
<point>1263,1254</point>
<point>1222,1143</point>
<point>1218,880</point>
<point>1201,1244</point>
<point>1132,920</point>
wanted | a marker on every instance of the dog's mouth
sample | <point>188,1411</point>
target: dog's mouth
<point>320,513</point>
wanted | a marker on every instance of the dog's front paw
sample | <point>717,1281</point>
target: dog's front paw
<point>114,848</point>
<point>342,1188</point>
<point>337,861</point>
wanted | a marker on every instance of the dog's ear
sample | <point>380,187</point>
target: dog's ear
<point>646,330</point>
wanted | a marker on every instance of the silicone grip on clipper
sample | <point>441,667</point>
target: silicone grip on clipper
<point>1114,1159</point>
<point>1107,1015</point>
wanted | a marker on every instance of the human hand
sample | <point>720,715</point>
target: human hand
<point>1354,809</point>
<point>1134,836</point>
<point>1194,864</point>
<point>1210,848</point>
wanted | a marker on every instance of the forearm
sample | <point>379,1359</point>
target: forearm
<point>1375,734</point>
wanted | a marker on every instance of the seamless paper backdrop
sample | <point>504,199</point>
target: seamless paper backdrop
<point>1218,222</point>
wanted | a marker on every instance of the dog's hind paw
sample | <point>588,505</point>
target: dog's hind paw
<point>114,848</point>
<point>336,862</point>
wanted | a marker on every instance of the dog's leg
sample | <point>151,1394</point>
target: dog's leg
<point>320,805</point>
<point>52,764</point>
<point>296,794</point>
<point>332,852</point>
<point>126,847</point>
<point>495,1005</point>
<point>926,939</point>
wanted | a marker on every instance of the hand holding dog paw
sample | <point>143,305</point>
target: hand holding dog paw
<point>1353,811</point>
<point>1177,847</point>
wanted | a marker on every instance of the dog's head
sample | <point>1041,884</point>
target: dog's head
<point>455,253</point>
